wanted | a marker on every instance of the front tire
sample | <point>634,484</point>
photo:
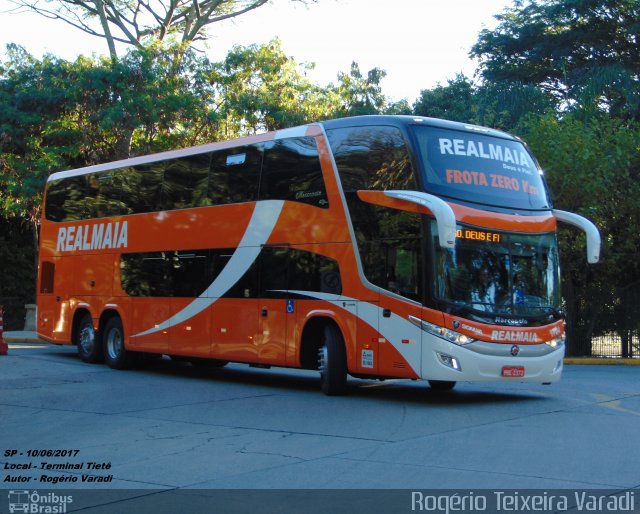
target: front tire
<point>115,354</point>
<point>332,362</point>
<point>88,341</point>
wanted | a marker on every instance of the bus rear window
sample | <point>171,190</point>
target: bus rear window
<point>480,169</point>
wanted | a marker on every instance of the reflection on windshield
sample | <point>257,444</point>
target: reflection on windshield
<point>499,273</point>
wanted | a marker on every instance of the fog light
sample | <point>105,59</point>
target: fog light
<point>450,362</point>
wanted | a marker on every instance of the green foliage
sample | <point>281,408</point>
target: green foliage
<point>592,167</point>
<point>455,101</point>
<point>583,52</point>
<point>261,88</point>
<point>359,95</point>
<point>503,105</point>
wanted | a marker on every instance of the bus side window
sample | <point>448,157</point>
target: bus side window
<point>66,199</point>
<point>146,274</point>
<point>291,171</point>
<point>273,272</point>
<point>314,272</point>
<point>235,175</point>
<point>109,189</point>
<point>186,181</point>
<point>247,285</point>
<point>148,195</point>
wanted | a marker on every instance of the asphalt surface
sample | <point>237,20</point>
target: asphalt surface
<point>170,426</point>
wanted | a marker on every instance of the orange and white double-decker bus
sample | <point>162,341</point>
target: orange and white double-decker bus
<point>376,247</point>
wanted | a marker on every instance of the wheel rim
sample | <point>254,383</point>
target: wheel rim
<point>323,357</point>
<point>87,339</point>
<point>114,343</point>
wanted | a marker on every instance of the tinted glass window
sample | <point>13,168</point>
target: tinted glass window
<point>147,197</point>
<point>390,246</point>
<point>389,241</point>
<point>480,169</point>
<point>190,272</point>
<point>313,272</point>
<point>112,192</point>
<point>146,274</point>
<point>291,171</point>
<point>247,285</point>
<point>170,273</point>
<point>274,273</point>
<point>186,182</point>
<point>66,199</point>
<point>371,158</point>
<point>235,175</point>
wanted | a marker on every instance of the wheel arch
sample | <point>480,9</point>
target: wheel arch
<point>312,336</point>
<point>78,314</point>
<point>106,315</point>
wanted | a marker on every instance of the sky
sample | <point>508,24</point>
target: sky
<point>419,43</point>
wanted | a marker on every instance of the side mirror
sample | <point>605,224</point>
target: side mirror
<point>445,218</point>
<point>593,235</point>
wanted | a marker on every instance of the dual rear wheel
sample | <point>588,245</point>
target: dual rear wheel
<point>105,346</point>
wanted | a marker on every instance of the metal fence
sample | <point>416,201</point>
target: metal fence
<point>613,345</point>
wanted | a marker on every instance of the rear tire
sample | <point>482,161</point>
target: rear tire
<point>88,341</point>
<point>441,385</point>
<point>115,354</point>
<point>332,362</point>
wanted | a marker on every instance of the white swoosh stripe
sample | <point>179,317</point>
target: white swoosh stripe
<point>261,225</point>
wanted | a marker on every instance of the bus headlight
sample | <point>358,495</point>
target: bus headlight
<point>556,341</point>
<point>444,333</point>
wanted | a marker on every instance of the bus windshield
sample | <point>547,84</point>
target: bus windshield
<point>499,277</point>
<point>479,168</point>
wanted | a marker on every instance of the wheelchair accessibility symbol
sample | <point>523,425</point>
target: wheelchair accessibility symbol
<point>291,306</point>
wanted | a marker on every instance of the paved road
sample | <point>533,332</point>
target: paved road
<point>169,425</point>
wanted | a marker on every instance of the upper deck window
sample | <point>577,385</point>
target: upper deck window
<point>481,169</point>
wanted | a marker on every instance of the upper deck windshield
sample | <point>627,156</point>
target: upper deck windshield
<point>479,168</point>
<point>499,277</point>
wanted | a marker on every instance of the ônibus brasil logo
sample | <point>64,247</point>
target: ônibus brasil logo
<point>35,502</point>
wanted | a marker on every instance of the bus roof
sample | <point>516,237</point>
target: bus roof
<point>405,120</point>
<point>310,129</point>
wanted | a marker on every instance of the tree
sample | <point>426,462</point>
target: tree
<point>592,167</point>
<point>500,105</point>
<point>455,101</point>
<point>359,94</point>
<point>259,88</point>
<point>582,52</point>
<point>139,22</point>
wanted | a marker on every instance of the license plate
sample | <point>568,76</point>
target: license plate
<point>513,371</point>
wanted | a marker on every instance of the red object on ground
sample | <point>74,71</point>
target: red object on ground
<point>4,347</point>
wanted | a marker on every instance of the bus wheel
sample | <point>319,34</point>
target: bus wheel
<point>88,341</point>
<point>332,362</point>
<point>441,385</point>
<point>115,354</point>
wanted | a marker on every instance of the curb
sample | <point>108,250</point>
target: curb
<point>602,361</point>
<point>22,337</point>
